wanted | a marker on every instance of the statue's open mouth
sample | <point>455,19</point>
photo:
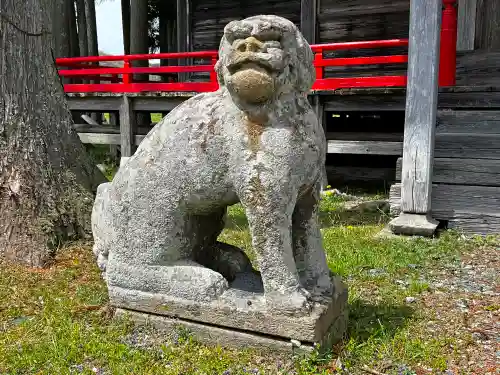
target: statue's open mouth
<point>250,63</point>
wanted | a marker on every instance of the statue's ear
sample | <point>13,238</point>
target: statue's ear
<point>219,71</point>
<point>224,49</point>
<point>305,59</point>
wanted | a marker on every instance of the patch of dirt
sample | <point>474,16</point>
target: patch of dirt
<point>464,303</point>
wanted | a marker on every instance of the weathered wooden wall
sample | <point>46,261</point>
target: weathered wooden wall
<point>466,176</point>
<point>361,20</point>
<point>210,16</point>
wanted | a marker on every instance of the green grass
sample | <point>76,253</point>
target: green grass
<point>55,321</point>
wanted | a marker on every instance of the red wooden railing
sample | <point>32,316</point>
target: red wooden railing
<point>320,62</point>
<point>121,79</point>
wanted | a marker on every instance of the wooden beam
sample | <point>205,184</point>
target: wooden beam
<point>466,25</point>
<point>308,12</point>
<point>127,128</point>
<point>475,121</point>
<point>421,105</point>
<point>100,138</point>
<point>365,147</point>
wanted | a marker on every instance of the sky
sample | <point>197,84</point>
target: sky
<point>109,27</point>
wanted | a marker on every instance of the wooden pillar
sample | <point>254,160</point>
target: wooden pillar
<point>420,120</point>
<point>182,32</point>
<point>308,11</point>
<point>127,128</point>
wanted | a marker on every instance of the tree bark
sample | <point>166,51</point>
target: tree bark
<point>126,25</point>
<point>60,28</point>
<point>91,27</point>
<point>83,41</point>
<point>73,33</point>
<point>47,180</point>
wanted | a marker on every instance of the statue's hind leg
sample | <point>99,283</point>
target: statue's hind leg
<point>160,260</point>
<point>223,258</point>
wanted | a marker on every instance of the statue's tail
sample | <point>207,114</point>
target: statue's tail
<point>100,249</point>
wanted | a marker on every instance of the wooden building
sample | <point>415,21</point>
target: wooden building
<point>452,139</point>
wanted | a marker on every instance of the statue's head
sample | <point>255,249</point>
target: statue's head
<point>262,57</point>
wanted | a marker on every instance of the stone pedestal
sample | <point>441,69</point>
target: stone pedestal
<point>240,318</point>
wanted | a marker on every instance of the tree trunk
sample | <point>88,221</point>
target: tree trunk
<point>91,27</point>
<point>126,26</point>
<point>60,28</point>
<point>83,41</point>
<point>139,43</point>
<point>47,179</point>
<point>73,34</point>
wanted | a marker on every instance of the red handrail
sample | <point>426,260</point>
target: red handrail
<point>85,67</point>
<point>76,67</point>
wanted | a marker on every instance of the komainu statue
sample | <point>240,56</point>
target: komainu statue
<point>257,141</point>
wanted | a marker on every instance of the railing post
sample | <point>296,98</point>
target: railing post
<point>448,56</point>
<point>318,63</point>
<point>127,77</point>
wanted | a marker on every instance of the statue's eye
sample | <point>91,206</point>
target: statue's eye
<point>273,44</point>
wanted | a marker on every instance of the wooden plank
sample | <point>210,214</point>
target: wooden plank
<point>94,103</point>
<point>479,67</point>
<point>478,172</point>
<point>127,127</point>
<point>308,10</point>
<point>100,138</point>
<point>421,105</point>
<point>469,121</point>
<point>86,128</point>
<point>474,209</point>
<point>463,145</point>
<point>365,147</point>
<point>488,19</point>
<point>362,20</point>
<point>356,100</point>
<point>475,223</point>
<point>156,104</point>
<point>466,25</point>
<point>210,16</point>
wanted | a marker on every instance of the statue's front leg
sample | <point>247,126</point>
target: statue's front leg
<point>308,245</point>
<point>269,209</point>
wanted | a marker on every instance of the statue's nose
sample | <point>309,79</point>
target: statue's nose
<point>251,44</point>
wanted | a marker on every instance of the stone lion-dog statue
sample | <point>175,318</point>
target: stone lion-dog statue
<point>256,141</point>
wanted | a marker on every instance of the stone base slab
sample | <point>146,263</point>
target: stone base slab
<point>414,225</point>
<point>228,338</point>
<point>242,308</point>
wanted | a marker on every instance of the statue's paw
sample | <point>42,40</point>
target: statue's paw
<point>214,285</point>
<point>294,301</point>
<point>225,259</point>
